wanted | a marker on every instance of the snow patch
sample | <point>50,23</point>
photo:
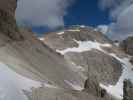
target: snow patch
<point>60,33</point>
<point>84,46</point>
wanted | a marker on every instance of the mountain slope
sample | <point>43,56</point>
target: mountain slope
<point>94,55</point>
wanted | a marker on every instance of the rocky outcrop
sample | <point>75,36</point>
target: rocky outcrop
<point>128,90</point>
<point>127,45</point>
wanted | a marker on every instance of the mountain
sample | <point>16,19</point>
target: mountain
<point>94,56</point>
<point>77,63</point>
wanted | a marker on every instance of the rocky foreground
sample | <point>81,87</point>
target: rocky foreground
<point>78,63</point>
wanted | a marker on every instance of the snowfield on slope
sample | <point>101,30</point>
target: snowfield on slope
<point>13,84</point>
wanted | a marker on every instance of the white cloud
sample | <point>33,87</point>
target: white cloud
<point>102,28</point>
<point>121,13</point>
<point>42,12</point>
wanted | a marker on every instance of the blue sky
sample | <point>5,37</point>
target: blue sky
<point>82,12</point>
<point>86,12</point>
<point>46,15</point>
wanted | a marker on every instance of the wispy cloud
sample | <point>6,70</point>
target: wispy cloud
<point>121,14</point>
<point>48,13</point>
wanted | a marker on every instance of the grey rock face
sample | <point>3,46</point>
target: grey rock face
<point>127,45</point>
<point>128,90</point>
<point>106,68</point>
